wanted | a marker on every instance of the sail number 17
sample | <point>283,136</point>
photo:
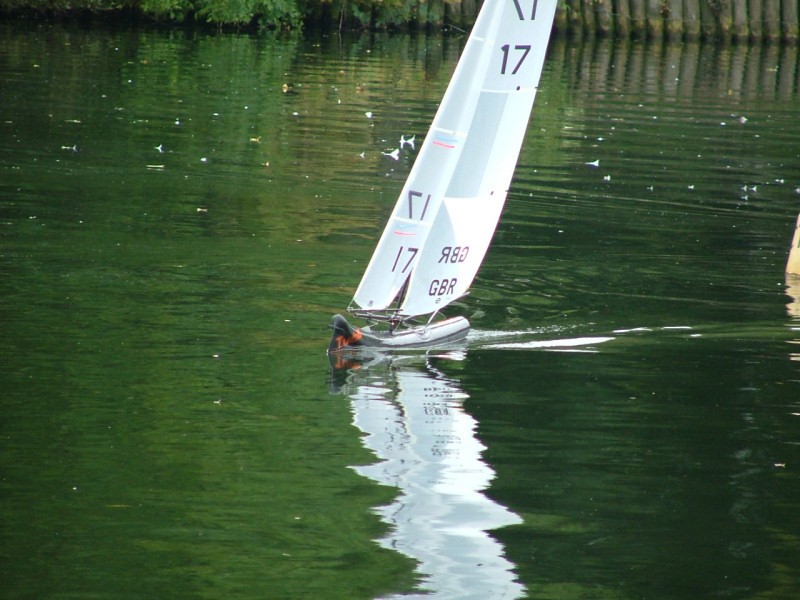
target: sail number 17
<point>404,264</point>
<point>521,50</point>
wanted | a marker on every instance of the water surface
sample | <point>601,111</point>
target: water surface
<point>181,213</point>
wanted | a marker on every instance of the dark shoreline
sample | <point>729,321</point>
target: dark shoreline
<point>729,21</point>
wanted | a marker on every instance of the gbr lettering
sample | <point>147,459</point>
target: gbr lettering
<point>454,254</point>
<point>442,287</point>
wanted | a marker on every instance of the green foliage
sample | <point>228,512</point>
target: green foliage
<point>394,12</point>
<point>266,13</point>
<point>176,10</point>
<point>280,13</point>
<point>285,14</point>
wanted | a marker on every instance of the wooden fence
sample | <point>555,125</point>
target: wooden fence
<point>736,20</point>
<point>723,20</point>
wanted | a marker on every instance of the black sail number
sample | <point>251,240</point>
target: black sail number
<point>520,52</point>
<point>420,205</point>
<point>522,14</point>
<point>405,263</point>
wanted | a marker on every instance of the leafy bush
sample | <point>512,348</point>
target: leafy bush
<point>176,10</point>
<point>278,13</point>
<point>285,14</point>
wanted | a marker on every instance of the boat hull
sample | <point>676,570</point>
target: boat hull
<point>346,337</point>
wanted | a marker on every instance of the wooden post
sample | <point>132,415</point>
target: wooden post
<point>561,16</point>
<point>622,21</point>
<point>589,21</point>
<point>789,30</point>
<point>674,19</point>
<point>793,264</point>
<point>708,22</point>
<point>772,20</point>
<point>724,21</point>
<point>638,18</point>
<point>691,20</point>
<point>603,11</point>
<point>574,19</point>
<point>741,32</point>
<point>655,22</point>
<point>469,12</point>
<point>756,14</point>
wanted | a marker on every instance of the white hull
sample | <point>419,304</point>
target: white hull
<point>346,337</point>
<point>449,330</point>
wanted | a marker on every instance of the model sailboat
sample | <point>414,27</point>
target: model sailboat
<point>444,219</point>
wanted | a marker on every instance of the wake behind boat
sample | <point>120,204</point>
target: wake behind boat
<point>444,219</point>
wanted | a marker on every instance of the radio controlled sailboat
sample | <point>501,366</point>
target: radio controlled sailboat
<point>448,209</point>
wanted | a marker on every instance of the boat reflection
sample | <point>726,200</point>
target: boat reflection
<point>793,285</point>
<point>415,424</point>
<point>793,291</point>
<point>793,310</point>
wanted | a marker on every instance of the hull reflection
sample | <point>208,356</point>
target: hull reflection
<point>415,424</point>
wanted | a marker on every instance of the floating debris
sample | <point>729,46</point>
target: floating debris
<point>407,142</point>
<point>594,163</point>
<point>160,148</point>
<point>368,114</point>
<point>395,154</point>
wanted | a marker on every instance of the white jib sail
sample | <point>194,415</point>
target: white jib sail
<point>448,209</point>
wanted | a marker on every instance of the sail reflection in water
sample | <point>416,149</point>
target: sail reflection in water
<point>793,285</point>
<point>415,424</point>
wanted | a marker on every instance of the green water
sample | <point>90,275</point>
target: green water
<point>176,231</point>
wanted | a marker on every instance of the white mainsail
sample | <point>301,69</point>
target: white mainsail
<point>444,219</point>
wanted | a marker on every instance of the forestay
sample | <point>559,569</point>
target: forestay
<point>444,219</point>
